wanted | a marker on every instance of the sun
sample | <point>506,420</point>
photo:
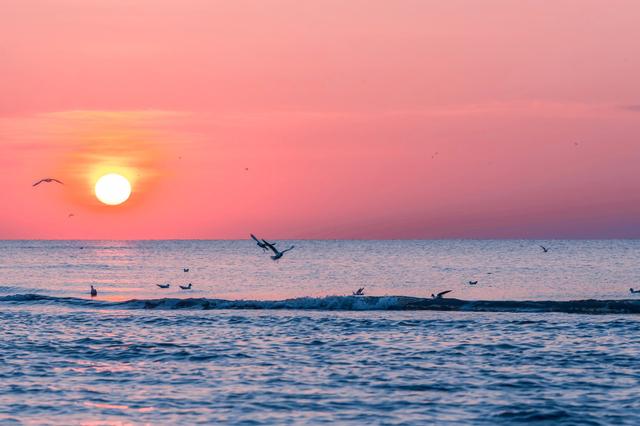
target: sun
<point>113,189</point>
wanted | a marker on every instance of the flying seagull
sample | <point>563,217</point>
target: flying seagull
<point>185,269</point>
<point>473,282</point>
<point>94,292</point>
<point>71,215</point>
<point>277,253</point>
<point>47,180</point>
<point>164,285</point>
<point>634,291</point>
<point>439,295</point>
<point>262,244</point>
<point>544,249</point>
<point>186,287</point>
<point>359,292</point>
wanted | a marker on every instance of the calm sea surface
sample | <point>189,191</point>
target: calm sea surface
<point>66,359</point>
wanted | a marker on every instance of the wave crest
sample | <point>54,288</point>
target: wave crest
<point>346,303</point>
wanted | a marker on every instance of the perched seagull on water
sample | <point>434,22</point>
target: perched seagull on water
<point>473,282</point>
<point>634,291</point>
<point>544,249</point>
<point>277,253</point>
<point>164,285</point>
<point>360,292</point>
<point>47,180</point>
<point>186,287</point>
<point>439,295</point>
<point>94,292</point>
<point>262,244</point>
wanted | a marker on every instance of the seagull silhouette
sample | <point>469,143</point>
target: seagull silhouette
<point>277,253</point>
<point>473,282</point>
<point>634,291</point>
<point>164,285</point>
<point>439,295</point>
<point>544,249</point>
<point>359,292</point>
<point>185,269</point>
<point>262,244</point>
<point>186,287</point>
<point>94,292</point>
<point>47,180</point>
<point>71,215</point>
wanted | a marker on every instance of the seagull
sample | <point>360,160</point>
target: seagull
<point>185,269</point>
<point>71,215</point>
<point>439,295</point>
<point>164,285</point>
<point>473,282</point>
<point>360,292</point>
<point>277,253</point>
<point>47,180</point>
<point>94,292</point>
<point>186,287</point>
<point>262,244</point>
<point>634,291</point>
<point>544,249</point>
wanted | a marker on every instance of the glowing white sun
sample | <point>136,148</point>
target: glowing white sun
<point>113,189</point>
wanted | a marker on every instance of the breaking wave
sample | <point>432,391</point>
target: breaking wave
<point>345,303</point>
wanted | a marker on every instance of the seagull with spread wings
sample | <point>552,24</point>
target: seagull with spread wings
<point>439,295</point>
<point>262,244</point>
<point>277,254</point>
<point>47,180</point>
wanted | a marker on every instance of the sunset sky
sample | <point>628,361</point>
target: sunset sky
<point>355,119</point>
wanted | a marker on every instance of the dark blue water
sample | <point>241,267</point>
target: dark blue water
<point>203,357</point>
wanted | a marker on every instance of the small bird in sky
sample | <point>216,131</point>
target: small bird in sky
<point>262,244</point>
<point>186,287</point>
<point>94,292</point>
<point>164,285</point>
<point>473,282</point>
<point>277,254</point>
<point>439,295</point>
<point>634,291</point>
<point>544,249</point>
<point>359,292</point>
<point>185,269</point>
<point>47,180</point>
<point>71,215</point>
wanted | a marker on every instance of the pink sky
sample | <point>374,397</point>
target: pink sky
<point>356,119</point>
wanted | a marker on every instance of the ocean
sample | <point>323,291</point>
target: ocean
<point>542,338</point>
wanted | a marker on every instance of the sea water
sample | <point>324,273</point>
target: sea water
<point>263,342</point>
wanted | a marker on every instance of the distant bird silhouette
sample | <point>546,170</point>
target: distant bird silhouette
<point>94,292</point>
<point>47,180</point>
<point>262,244</point>
<point>71,215</point>
<point>164,285</point>
<point>186,287</point>
<point>277,254</point>
<point>359,292</point>
<point>185,269</point>
<point>439,295</point>
<point>473,282</point>
<point>634,291</point>
<point>544,249</point>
